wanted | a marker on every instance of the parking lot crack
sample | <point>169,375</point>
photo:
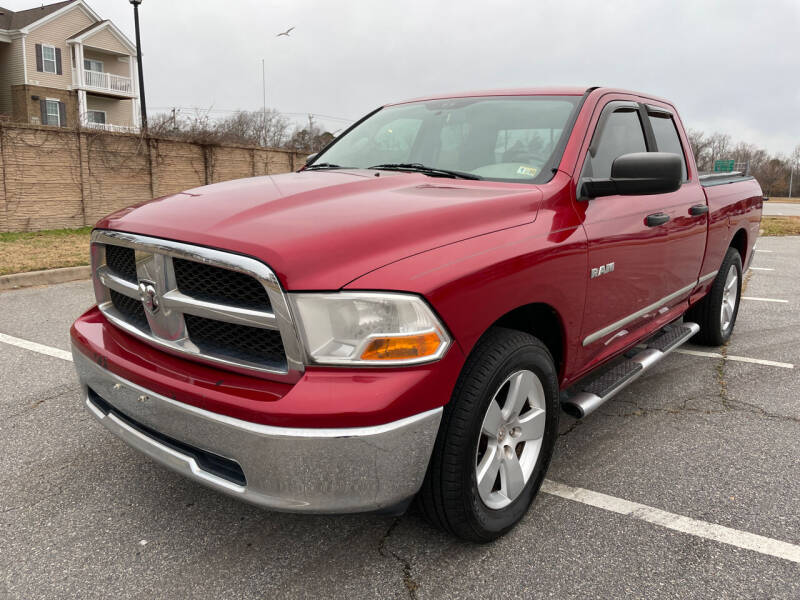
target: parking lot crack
<point>30,505</point>
<point>408,580</point>
<point>723,386</point>
<point>570,429</point>
<point>732,404</point>
<point>32,406</point>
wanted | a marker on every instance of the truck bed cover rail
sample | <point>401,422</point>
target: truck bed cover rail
<point>709,179</point>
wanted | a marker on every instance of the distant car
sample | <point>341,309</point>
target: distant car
<point>408,314</point>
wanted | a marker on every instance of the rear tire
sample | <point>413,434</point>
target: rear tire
<point>495,440</point>
<point>716,313</point>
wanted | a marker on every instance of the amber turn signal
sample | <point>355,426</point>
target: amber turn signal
<point>402,347</point>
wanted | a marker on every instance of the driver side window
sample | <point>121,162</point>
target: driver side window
<point>621,133</point>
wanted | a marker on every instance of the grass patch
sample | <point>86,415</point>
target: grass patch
<point>37,250</point>
<point>788,200</point>
<point>780,226</point>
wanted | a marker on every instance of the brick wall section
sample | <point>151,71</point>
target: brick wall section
<point>119,173</point>
<point>230,163</point>
<point>53,178</point>
<point>25,108</point>
<point>42,179</point>
<point>177,166</point>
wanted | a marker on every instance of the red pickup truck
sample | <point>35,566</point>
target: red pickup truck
<point>408,314</point>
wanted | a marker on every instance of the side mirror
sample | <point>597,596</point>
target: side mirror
<point>311,157</point>
<point>639,173</point>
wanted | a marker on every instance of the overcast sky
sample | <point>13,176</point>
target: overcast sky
<point>729,65</point>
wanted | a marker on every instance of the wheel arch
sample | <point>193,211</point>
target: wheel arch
<point>542,321</point>
<point>739,242</point>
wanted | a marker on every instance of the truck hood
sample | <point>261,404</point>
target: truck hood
<point>319,230</point>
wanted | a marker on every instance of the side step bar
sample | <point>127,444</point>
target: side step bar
<point>597,391</point>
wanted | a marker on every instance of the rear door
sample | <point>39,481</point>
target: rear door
<point>687,209</point>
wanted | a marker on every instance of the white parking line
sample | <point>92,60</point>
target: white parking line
<point>755,361</point>
<point>760,250</point>
<point>764,299</point>
<point>34,347</point>
<point>656,516</point>
<point>761,269</point>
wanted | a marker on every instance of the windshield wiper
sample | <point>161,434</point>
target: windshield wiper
<point>420,168</point>
<point>324,165</point>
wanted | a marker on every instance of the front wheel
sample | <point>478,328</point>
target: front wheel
<point>496,438</point>
<point>716,313</point>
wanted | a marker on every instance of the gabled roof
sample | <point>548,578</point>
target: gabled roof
<point>22,18</point>
<point>88,29</point>
<point>23,21</point>
<point>99,26</point>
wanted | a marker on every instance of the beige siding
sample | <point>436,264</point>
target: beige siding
<point>118,112</point>
<point>55,33</point>
<point>11,72</point>
<point>5,85</point>
<point>111,62</point>
<point>105,40</point>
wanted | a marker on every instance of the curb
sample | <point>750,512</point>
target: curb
<point>47,277</point>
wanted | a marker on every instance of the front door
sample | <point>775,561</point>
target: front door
<point>631,242</point>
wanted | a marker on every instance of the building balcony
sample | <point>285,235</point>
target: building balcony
<point>110,127</point>
<point>104,83</point>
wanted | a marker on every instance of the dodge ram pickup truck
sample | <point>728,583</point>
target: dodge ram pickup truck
<point>407,315</point>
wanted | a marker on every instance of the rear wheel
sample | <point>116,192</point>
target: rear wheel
<point>496,438</point>
<point>716,313</point>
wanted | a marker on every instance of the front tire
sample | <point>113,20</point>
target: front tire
<point>716,313</point>
<point>496,438</point>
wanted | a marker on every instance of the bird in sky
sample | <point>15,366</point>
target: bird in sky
<point>286,33</point>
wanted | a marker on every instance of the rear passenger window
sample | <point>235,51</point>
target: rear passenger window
<point>667,139</point>
<point>621,134</point>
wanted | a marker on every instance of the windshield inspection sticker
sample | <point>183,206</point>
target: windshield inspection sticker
<point>529,171</point>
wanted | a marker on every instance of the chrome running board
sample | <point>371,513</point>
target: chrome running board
<point>595,392</point>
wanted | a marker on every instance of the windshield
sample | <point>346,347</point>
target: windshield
<point>500,138</point>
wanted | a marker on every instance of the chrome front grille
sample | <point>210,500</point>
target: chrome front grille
<point>211,305</point>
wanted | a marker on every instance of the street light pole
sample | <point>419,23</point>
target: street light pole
<point>142,103</point>
<point>264,92</point>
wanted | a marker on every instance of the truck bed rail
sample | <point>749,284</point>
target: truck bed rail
<point>709,179</point>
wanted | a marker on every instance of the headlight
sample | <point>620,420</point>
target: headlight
<point>369,328</point>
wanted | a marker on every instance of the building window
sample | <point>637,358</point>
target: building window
<point>52,112</point>
<point>96,116</point>
<point>93,65</point>
<point>49,59</point>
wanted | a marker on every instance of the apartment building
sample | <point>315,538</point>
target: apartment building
<point>63,65</point>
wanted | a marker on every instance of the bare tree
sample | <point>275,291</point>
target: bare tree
<point>720,144</point>
<point>311,138</point>
<point>701,147</point>
<point>253,128</point>
<point>773,176</point>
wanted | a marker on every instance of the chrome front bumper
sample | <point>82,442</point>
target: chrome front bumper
<point>300,470</point>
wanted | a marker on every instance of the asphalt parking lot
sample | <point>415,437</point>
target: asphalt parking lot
<point>781,209</point>
<point>707,446</point>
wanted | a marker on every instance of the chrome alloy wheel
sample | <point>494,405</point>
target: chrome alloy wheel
<point>730,293</point>
<point>510,439</point>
